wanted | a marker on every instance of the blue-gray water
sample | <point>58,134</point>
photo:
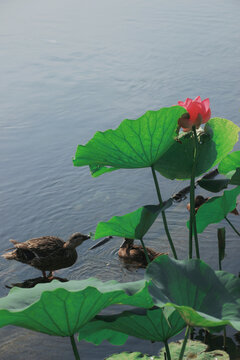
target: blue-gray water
<point>69,68</point>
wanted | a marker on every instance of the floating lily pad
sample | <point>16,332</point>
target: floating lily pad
<point>218,140</point>
<point>133,225</point>
<point>131,356</point>
<point>134,144</point>
<point>144,324</point>
<point>194,350</point>
<point>202,297</point>
<point>216,208</point>
<point>63,308</point>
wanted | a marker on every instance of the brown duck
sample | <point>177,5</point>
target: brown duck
<point>135,253</point>
<point>47,253</point>
<point>200,200</point>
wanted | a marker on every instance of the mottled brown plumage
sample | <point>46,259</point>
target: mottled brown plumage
<point>135,253</point>
<point>47,253</point>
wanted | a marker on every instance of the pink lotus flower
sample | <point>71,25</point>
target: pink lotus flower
<point>198,113</point>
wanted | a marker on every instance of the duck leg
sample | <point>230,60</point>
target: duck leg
<point>50,275</point>
<point>44,274</point>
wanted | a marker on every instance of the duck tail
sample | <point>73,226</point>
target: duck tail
<point>10,255</point>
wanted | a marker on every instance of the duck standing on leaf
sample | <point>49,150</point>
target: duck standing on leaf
<point>47,253</point>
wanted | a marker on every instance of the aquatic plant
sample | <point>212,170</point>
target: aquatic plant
<point>175,294</point>
<point>199,112</point>
<point>61,309</point>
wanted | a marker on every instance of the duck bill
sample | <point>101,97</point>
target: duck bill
<point>101,242</point>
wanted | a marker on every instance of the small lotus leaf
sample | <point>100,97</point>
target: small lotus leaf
<point>229,163</point>
<point>134,144</point>
<point>63,308</point>
<point>202,297</point>
<point>194,350</point>
<point>217,141</point>
<point>214,185</point>
<point>144,324</point>
<point>133,225</point>
<point>216,208</point>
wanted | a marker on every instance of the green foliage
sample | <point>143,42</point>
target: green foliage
<point>219,138</point>
<point>229,163</point>
<point>134,144</point>
<point>133,225</point>
<point>220,184</point>
<point>194,350</point>
<point>202,297</point>
<point>214,185</point>
<point>63,308</point>
<point>131,356</point>
<point>143,324</point>
<point>216,208</point>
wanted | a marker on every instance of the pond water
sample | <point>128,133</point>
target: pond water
<point>70,68</point>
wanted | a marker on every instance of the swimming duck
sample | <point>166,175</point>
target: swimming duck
<point>47,253</point>
<point>200,200</point>
<point>135,253</point>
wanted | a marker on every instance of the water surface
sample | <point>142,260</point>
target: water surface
<point>69,68</point>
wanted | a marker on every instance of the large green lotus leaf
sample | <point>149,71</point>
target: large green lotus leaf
<point>99,170</point>
<point>216,208</point>
<point>144,324</point>
<point>134,144</point>
<point>200,295</point>
<point>229,163</point>
<point>194,350</point>
<point>63,308</point>
<point>131,356</point>
<point>217,141</point>
<point>133,225</point>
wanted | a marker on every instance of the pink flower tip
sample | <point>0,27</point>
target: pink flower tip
<point>199,113</point>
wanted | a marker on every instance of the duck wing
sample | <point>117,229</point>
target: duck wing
<point>40,247</point>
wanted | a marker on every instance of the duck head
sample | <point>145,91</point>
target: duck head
<point>76,239</point>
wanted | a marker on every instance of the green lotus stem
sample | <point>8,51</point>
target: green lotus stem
<point>167,350</point>
<point>224,338</point>
<point>184,343</point>
<point>145,251</point>
<point>196,238</point>
<point>232,226</point>
<point>192,221</point>
<point>163,213</point>
<point>219,262</point>
<point>74,347</point>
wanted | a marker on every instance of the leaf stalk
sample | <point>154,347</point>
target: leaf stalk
<point>145,251</point>
<point>184,343</point>
<point>232,226</point>
<point>163,213</point>
<point>74,347</point>
<point>192,220</point>
<point>167,350</point>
